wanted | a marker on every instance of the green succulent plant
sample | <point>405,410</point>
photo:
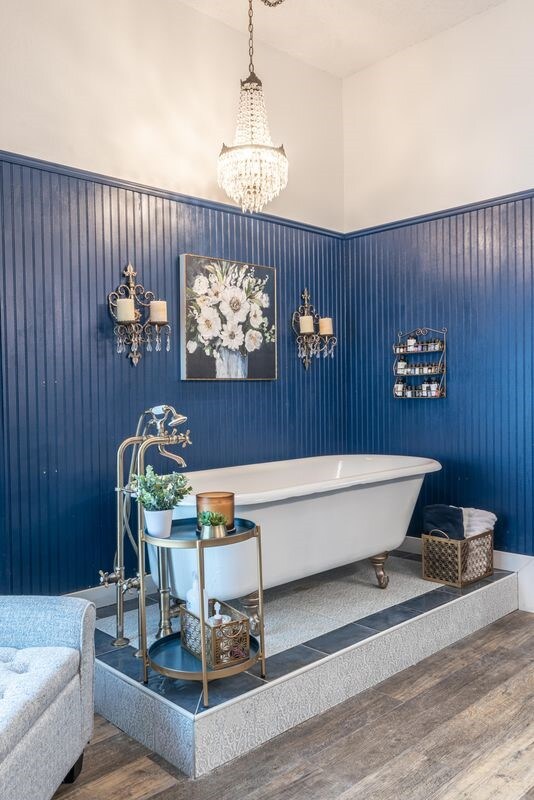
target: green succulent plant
<point>160,492</point>
<point>211,518</point>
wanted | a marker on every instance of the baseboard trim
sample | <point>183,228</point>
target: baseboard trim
<point>514,562</point>
<point>105,595</point>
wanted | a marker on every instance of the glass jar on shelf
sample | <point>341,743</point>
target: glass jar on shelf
<point>399,388</point>
<point>402,364</point>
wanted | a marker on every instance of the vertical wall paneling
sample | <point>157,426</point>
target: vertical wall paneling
<point>471,271</point>
<point>68,399</point>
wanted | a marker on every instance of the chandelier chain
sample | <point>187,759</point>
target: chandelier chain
<point>269,4</point>
<point>252,171</point>
<point>250,38</point>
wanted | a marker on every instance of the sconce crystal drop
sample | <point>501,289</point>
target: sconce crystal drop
<point>134,332</point>
<point>311,341</point>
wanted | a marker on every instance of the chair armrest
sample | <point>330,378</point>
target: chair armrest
<point>45,621</point>
<point>54,622</point>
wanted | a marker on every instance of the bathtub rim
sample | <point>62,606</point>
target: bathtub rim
<point>423,466</point>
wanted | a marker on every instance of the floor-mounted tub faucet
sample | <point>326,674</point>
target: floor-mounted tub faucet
<point>156,426</point>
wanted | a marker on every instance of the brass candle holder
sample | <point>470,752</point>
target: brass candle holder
<point>132,298</point>
<point>315,336</point>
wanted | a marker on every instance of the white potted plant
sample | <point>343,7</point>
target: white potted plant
<point>159,494</point>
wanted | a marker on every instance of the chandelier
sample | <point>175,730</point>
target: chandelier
<point>252,171</point>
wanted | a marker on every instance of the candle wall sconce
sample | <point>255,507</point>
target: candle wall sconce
<point>126,305</point>
<point>315,334</point>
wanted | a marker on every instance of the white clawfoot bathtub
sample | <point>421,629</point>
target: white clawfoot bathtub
<point>315,514</point>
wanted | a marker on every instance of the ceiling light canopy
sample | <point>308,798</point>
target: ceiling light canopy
<point>252,171</point>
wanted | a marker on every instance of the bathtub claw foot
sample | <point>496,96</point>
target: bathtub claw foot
<point>378,563</point>
<point>251,604</point>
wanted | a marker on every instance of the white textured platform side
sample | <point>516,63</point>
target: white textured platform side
<point>233,729</point>
<point>146,717</point>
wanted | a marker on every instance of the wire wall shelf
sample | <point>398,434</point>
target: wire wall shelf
<point>416,377</point>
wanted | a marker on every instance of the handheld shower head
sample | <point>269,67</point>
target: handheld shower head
<point>177,419</point>
<point>165,415</point>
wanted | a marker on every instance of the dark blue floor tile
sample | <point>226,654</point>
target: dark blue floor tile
<point>103,642</point>
<point>182,693</point>
<point>227,688</point>
<point>123,659</point>
<point>498,574</point>
<point>428,601</point>
<point>473,587</point>
<point>287,661</point>
<point>456,592</point>
<point>387,618</point>
<point>340,638</point>
<point>404,554</point>
<point>185,694</point>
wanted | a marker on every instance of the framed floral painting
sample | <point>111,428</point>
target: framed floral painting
<point>228,320</point>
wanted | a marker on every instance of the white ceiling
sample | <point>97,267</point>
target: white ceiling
<point>343,36</point>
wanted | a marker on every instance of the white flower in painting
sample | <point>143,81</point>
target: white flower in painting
<point>232,336</point>
<point>256,316</point>
<point>203,300</point>
<point>201,285</point>
<point>234,304</point>
<point>215,293</point>
<point>191,346</point>
<point>265,300</point>
<point>209,323</point>
<point>253,340</point>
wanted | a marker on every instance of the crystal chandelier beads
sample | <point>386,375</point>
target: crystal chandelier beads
<point>252,171</point>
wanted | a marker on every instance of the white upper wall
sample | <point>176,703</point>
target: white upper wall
<point>147,91</point>
<point>446,122</point>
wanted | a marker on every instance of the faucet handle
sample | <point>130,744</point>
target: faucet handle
<point>106,578</point>
<point>186,438</point>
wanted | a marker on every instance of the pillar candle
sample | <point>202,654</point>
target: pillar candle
<point>125,309</point>
<point>220,502</point>
<point>306,324</point>
<point>325,326</point>
<point>158,311</point>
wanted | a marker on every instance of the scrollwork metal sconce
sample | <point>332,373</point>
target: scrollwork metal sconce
<point>126,306</point>
<point>315,336</point>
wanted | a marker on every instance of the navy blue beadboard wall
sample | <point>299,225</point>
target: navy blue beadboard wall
<point>68,399</point>
<point>472,272</point>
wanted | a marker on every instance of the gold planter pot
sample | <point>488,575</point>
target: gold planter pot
<point>212,531</point>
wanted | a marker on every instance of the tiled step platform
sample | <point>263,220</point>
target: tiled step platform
<point>319,659</point>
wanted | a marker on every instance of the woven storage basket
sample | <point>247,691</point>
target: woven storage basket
<point>226,644</point>
<point>457,562</point>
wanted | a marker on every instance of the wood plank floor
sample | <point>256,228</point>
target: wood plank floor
<point>457,726</point>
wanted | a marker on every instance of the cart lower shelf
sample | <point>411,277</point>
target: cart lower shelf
<point>169,658</point>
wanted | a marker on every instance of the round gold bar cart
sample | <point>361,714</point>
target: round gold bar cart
<point>166,655</point>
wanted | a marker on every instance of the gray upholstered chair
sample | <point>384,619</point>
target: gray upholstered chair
<point>46,692</point>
